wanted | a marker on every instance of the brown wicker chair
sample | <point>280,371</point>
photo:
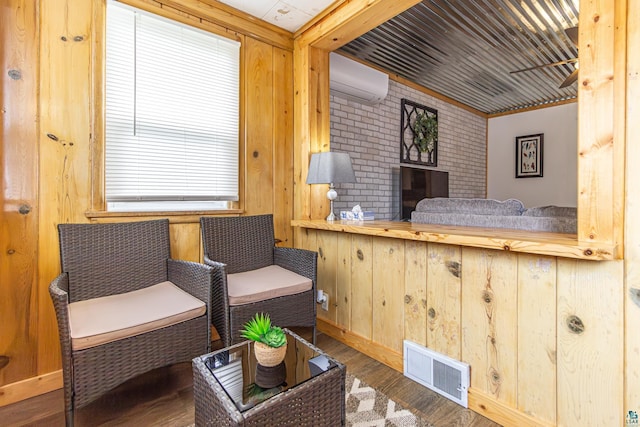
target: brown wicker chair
<point>242,244</point>
<point>100,260</point>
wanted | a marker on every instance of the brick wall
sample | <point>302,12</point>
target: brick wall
<point>371,135</point>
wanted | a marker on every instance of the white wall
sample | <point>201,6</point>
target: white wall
<point>558,185</point>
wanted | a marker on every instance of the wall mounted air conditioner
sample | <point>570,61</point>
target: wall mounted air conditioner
<point>355,81</point>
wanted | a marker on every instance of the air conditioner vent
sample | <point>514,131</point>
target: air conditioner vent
<point>440,373</point>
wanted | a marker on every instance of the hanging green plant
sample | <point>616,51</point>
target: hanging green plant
<point>425,130</point>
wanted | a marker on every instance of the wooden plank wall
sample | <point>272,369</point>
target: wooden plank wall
<point>543,335</point>
<point>47,161</point>
<point>18,172</point>
<point>632,210</point>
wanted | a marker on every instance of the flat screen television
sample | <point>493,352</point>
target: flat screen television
<point>417,184</point>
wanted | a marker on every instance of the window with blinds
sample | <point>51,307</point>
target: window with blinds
<point>172,114</point>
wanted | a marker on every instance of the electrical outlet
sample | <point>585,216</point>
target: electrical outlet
<point>323,299</point>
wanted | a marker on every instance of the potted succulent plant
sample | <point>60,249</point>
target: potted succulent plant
<point>270,341</point>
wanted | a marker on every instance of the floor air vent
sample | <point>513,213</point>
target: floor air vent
<point>440,373</point>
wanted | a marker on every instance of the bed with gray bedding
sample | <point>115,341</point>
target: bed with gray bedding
<point>490,213</point>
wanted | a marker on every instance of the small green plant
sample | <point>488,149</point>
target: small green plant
<point>260,329</point>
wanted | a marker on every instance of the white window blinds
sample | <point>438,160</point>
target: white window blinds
<point>172,112</point>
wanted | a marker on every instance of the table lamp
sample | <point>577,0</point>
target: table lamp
<point>330,168</point>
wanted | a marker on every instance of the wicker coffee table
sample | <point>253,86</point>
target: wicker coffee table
<point>226,394</point>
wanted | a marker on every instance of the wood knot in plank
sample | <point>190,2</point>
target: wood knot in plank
<point>15,74</point>
<point>588,252</point>
<point>360,254</point>
<point>320,252</point>
<point>4,361</point>
<point>487,297</point>
<point>453,267</point>
<point>494,381</point>
<point>431,313</point>
<point>575,325</point>
<point>407,299</point>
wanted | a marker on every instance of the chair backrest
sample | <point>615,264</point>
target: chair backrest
<point>243,243</point>
<point>107,259</point>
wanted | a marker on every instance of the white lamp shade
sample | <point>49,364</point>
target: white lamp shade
<point>330,168</point>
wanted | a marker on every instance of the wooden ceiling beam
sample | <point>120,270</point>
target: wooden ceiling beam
<point>350,20</point>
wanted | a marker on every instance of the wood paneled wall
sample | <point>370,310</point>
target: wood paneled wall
<point>543,335</point>
<point>51,141</point>
<point>18,171</point>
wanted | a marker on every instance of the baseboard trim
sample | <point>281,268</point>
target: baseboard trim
<point>479,402</point>
<point>382,354</point>
<point>501,413</point>
<point>31,387</point>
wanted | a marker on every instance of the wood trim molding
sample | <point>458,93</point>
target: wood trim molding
<point>532,108</point>
<point>501,413</point>
<point>350,20</point>
<point>382,354</point>
<point>31,387</point>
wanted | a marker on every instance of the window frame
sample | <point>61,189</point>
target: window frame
<point>98,203</point>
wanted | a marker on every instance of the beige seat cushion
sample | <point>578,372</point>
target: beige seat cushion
<point>265,283</point>
<point>102,320</point>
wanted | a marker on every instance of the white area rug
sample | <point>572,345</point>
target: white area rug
<point>367,407</point>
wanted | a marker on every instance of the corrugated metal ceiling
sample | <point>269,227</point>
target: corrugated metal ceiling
<point>465,49</point>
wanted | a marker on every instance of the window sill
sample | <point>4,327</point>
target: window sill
<point>175,217</point>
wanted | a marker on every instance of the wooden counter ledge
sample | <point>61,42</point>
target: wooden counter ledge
<point>542,243</point>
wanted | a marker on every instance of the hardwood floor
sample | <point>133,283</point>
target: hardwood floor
<point>164,397</point>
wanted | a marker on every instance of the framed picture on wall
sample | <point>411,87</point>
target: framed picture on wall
<point>529,155</point>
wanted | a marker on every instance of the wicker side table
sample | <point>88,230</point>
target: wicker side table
<point>225,393</point>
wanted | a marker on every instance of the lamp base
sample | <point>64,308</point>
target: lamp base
<point>331,195</point>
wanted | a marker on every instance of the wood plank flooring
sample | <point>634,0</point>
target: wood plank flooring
<point>164,397</point>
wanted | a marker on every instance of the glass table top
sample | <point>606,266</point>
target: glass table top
<point>239,374</point>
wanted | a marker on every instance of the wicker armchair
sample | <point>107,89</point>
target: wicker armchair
<point>243,248</point>
<point>125,265</point>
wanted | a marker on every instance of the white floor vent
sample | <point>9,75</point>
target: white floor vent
<point>440,373</point>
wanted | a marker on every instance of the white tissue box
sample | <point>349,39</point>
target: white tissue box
<point>357,216</point>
